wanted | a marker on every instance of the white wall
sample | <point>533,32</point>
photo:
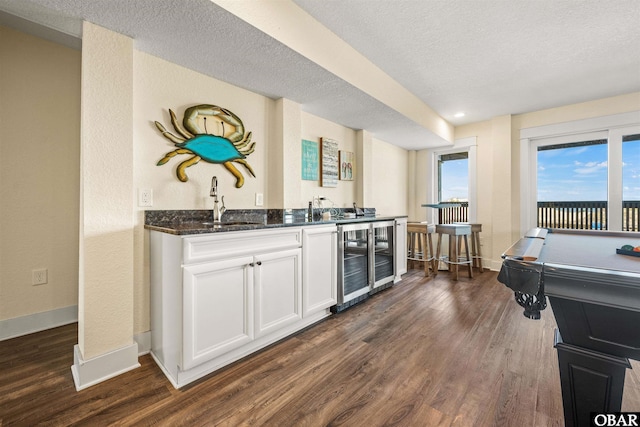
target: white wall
<point>152,99</point>
<point>39,173</point>
<point>159,86</point>
<point>105,309</point>
<point>313,129</point>
<point>391,176</point>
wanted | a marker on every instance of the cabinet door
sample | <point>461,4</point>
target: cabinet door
<point>319,269</point>
<point>217,309</point>
<point>277,290</point>
<point>401,247</point>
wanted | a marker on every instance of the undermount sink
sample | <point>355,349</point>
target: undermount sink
<point>228,224</point>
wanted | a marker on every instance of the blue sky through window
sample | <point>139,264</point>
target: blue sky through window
<point>580,173</point>
<point>455,180</point>
<point>631,170</point>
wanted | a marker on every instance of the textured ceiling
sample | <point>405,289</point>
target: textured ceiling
<point>490,58</point>
<point>486,58</point>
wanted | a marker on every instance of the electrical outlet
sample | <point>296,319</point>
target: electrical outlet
<point>259,199</point>
<point>145,197</point>
<point>39,276</point>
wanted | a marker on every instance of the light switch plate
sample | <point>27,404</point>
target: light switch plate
<point>259,199</point>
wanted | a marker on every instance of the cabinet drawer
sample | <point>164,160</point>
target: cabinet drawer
<point>230,244</point>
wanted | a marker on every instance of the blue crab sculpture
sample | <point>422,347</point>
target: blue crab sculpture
<point>230,145</point>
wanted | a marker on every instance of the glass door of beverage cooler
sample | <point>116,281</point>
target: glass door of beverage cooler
<point>383,252</point>
<point>353,266</point>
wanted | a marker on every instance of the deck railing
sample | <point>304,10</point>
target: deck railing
<point>581,215</point>
<point>631,215</point>
<point>452,214</point>
<point>586,215</point>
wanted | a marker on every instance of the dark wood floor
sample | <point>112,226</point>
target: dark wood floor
<point>423,353</point>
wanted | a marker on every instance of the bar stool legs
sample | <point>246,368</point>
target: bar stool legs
<point>476,254</point>
<point>430,256</point>
<point>457,234</point>
<point>420,245</point>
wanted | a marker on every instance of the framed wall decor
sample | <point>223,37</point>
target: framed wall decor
<point>347,165</point>
<point>329,166</point>
<point>310,160</point>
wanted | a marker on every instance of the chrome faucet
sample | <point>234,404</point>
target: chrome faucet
<point>217,209</point>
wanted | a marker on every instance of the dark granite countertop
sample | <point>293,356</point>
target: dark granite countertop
<point>191,222</point>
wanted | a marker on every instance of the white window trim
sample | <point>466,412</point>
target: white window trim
<point>459,146</point>
<point>610,127</point>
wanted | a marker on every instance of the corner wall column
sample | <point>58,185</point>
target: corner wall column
<point>105,308</point>
<point>283,184</point>
<point>501,229</point>
<point>364,169</point>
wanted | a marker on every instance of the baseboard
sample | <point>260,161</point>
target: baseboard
<point>144,342</point>
<point>24,325</point>
<point>93,371</point>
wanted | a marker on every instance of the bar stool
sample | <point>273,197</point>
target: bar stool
<point>456,233</point>
<point>476,253</point>
<point>414,242</point>
<point>420,245</point>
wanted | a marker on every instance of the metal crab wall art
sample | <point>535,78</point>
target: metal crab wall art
<point>221,140</point>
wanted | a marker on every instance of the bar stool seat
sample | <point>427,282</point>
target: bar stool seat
<point>476,253</point>
<point>420,245</point>
<point>457,233</point>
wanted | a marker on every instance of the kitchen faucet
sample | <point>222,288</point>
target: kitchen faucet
<point>217,209</point>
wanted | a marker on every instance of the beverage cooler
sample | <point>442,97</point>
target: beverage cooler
<point>383,249</point>
<point>365,260</point>
<point>354,243</point>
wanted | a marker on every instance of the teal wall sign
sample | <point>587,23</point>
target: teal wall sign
<point>310,160</point>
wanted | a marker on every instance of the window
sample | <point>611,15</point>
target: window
<point>453,177</point>
<point>574,176</point>
<point>631,182</point>
<point>574,171</point>
<point>572,185</point>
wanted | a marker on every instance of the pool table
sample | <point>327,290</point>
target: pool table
<point>594,293</point>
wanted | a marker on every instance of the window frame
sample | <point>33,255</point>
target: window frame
<point>612,128</point>
<point>469,146</point>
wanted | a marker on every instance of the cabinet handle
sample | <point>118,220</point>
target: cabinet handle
<point>259,263</point>
<point>251,264</point>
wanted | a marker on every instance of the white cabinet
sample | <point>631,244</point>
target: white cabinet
<point>320,257</point>
<point>218,297</point>
<point>218,309</point>
<point>278,298</point>
<point>401,247</point>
